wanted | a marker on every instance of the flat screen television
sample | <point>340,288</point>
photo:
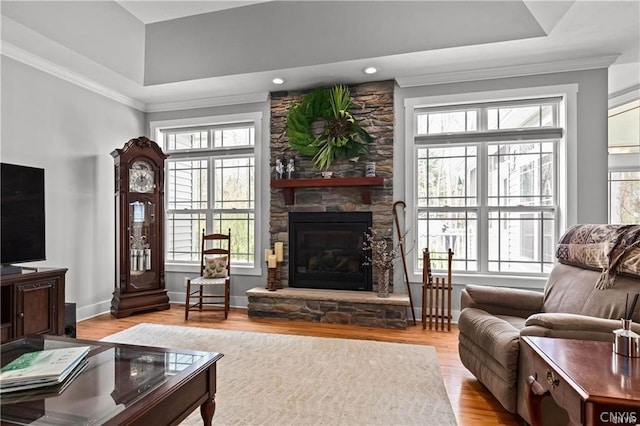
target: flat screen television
<point>22,226</point>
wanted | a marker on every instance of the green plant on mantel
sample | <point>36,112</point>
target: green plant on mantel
<point>341,138</point>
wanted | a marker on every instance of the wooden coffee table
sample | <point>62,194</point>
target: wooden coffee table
<point>121,385</point>
<point>592,383</point>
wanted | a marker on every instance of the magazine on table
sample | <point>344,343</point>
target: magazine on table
<point>41,368</point>
<point>37,391</point>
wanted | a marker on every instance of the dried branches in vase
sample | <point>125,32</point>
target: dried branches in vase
<point>381,255</point>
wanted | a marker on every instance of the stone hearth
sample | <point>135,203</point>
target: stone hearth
<point>330,306</point>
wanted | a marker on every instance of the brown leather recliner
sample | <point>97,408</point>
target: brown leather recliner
<point>578,302</point>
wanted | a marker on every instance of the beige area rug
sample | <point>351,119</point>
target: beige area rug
<point>276,379</point>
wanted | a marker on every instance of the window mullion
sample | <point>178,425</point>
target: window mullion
<point>483,120</point>
<point>540,176</point>
<point>211,134</point>
<point>483,180</point>
<point>210,193</point>
<point>541,242</point>
<point>483,215</point>
<point>187,211</point>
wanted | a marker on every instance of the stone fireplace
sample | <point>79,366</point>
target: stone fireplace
<point>314,268</point>
<point>373,108</point>
<point>325,250</point>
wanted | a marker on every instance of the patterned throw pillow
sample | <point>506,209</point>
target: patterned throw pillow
<point>215,267</point>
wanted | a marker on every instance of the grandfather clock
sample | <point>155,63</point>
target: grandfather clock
<point>139,193</point>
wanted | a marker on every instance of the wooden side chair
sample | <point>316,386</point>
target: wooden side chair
<point>436,293</point>
<point>212,289</point>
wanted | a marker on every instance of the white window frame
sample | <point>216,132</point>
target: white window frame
<point>218,120</point>
<point>566,165</point>
<point>621,162</point>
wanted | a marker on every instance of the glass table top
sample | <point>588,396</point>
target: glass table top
<point>115,377</point>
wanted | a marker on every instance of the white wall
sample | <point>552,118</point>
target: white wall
<point>70,132</point>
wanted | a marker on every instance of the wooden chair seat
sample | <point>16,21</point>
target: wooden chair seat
<point>209,281</point>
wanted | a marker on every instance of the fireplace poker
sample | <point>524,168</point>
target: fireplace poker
<point>403,254</point>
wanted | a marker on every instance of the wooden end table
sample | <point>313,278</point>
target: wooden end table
<point>121,385</point>
<point>592,383</point>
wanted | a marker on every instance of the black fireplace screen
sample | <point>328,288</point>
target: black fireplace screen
<point>326,250</point>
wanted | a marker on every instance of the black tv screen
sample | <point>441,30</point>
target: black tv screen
<point>22,209</point>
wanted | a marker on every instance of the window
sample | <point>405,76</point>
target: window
<point>624,197</point>
<point>624,163</point>
<point>486,184</point>
<point>624,128</point>
<point>211,185</point>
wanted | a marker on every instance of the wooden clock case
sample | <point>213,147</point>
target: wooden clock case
<point>139,212</point>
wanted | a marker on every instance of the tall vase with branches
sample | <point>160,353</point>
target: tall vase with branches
<point>381,254</point>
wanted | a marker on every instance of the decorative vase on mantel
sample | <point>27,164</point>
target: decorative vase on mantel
<point>383,282</point>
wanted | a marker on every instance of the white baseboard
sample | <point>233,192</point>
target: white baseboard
<point>94,310</point>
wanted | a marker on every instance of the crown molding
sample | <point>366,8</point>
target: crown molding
<point>11,51</point>
<point>41,64</point>
<point>507,71</point>
<point>208,102</point>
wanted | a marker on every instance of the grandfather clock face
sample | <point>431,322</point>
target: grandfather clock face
<point>141,177</point>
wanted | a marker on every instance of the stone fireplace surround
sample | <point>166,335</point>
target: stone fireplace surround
<point>373,108</point>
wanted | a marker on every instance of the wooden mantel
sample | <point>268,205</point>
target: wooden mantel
<point>289,186</point>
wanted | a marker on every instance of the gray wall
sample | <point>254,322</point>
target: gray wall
<point>312,33</point>
<point>70,132</point>
<point>102,31</point>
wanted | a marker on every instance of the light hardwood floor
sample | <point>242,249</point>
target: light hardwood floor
<point>471,402</point>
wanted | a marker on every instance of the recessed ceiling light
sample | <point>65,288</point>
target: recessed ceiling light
<point>370,70</point>
<point>278,80</point>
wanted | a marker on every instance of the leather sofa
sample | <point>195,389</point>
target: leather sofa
<point>584,298</point>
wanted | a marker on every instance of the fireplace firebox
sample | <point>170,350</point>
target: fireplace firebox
<point>325,250</point>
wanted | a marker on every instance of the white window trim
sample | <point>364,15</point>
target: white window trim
<point>623,162</point>
<point>629,162</point>
<point>256,117</point>
<point>566,169</point>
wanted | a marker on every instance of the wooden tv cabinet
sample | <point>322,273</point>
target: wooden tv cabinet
<point>32,303</point>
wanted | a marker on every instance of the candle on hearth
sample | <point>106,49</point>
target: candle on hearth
<point>272,261</point>
<point>279,246</point>
<point>267,253</point>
